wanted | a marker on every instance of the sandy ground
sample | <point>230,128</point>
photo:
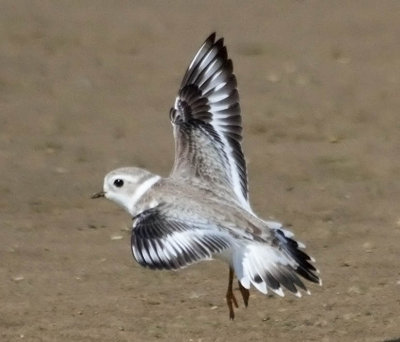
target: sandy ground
<point>87,86</point>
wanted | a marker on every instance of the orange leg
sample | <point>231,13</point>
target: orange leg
<point>245,294</point>
<point>230,297</point>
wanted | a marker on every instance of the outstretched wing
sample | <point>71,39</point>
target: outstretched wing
<point>207,123</point>
<point>162,241</point>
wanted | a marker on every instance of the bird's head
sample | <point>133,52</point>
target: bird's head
<point>125,186</point>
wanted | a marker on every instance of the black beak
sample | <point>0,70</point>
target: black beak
<point>98,194</point>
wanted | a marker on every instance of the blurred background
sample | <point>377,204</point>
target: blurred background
<point>86,86</point>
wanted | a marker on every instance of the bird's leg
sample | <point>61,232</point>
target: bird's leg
<point>230,297</point>
<point>245,294</point>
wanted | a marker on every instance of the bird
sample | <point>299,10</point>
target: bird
<point>201,211</point>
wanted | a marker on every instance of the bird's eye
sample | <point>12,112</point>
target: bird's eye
<point>118,183</point>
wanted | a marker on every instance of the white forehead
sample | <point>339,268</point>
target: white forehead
<point>132,174</point>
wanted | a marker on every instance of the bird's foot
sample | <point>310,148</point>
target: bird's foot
<point>231,301</point>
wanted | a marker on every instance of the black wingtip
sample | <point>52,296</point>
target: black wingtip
<point>212,40</point>
<point>211,37</point>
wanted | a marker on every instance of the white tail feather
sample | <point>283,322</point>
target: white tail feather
<point>263,266</point>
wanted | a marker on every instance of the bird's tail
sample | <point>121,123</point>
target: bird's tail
<point>276,264</point>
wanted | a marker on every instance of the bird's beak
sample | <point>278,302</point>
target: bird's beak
<point>98,194</point>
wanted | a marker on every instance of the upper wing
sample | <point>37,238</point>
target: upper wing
<point>162,241</point>
<point>207,123</point>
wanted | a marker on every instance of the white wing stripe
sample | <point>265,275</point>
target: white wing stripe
<point>219,86</point>
<point>217,97</point>
<point>216,107</point>
<point>210,69</point>
<point>237,187</point>
<point>197,55</point>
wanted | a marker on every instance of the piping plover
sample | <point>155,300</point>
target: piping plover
<point>202,210</point>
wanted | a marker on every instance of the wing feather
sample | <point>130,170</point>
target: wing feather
<point>160,241</point>
<point>208,125</point>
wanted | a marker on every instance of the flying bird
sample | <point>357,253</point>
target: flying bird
<point>201,211</point>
